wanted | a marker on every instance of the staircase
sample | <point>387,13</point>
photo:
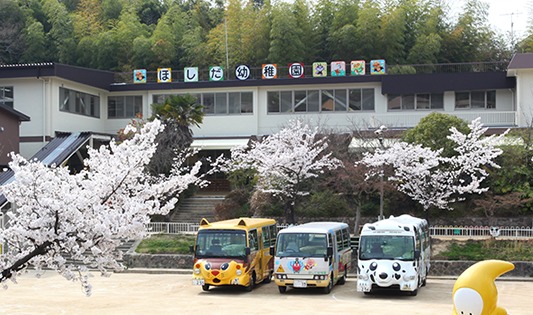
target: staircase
<point>195,208</point>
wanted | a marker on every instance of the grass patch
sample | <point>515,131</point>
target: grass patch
<point>510,250</point>
<point>166,244</point>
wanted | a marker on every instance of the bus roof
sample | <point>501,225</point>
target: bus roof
<point>239,223</point>
<point>402,224</point>
<point>315,227</point>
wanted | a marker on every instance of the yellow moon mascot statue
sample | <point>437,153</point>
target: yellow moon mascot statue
<point>475,293</point>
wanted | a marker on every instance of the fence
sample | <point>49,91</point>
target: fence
<point>435,231</point>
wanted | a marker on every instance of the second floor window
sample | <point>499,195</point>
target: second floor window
<point>79,103</point>
<point>422,101</point>
<point>124,106</point>
<point>6,96</point>
<point>475,100</point>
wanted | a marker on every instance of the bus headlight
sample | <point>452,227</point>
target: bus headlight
<point>238,272</point>
<point>319,277</point>
<point>197,271</point>
<point>363,277</point>
<point>409,277</point>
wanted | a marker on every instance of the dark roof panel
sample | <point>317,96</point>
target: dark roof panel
<point>442,82</point>
<point>14,112</point>
<point>521,61</point>
<point>55,152</point>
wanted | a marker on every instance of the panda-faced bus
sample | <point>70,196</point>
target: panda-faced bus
<point>393,253</point>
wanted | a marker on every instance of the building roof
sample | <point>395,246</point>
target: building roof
<point>13,112</point>
<point>521,61</point>
<point>57,151</point>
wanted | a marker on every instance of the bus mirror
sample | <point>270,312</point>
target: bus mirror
<point>417,254</point>
<point>191,248</point>
<point>271,250</point>
<point>329,251</point>
<point>248,251</point>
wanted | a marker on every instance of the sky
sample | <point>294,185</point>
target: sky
<point>503,13</point>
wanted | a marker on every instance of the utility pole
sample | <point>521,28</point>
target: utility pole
<point>379,133</point>
<point>512,28</point>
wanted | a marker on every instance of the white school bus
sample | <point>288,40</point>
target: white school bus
<point>234,252</point>
<point>316,254</point>
<point>393,253</point>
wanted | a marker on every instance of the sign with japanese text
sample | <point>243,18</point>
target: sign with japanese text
<point>269,71</point>
<point>216,73</point>
<point>242,72</point>
<point>296,70</point>
<point>190,74</point>
<point>164,75</point>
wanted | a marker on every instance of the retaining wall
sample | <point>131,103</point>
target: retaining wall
<point>438,267</point>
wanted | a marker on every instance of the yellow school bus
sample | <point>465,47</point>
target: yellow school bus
<point>234,252</point>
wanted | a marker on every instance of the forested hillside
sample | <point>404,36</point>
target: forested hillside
<point>120,35</point>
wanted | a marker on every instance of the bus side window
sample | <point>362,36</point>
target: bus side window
<point>340,243</point>
<point>265,233</point>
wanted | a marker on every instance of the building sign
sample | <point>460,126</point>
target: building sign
<point>296,70</point>
<point>242,72</point>
<point>216,73</point>
<point>320,69</point>
<point>269,71</point>
<point>377,66</point>
<point>164,75</point>
<point>139,76</point>
<point>338,68</point>
<point>190,74</point>
<point>357,67</point>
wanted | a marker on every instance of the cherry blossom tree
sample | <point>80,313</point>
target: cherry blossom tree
<point>284,161</point>
<point>434,180</point>
<point>60,217</point>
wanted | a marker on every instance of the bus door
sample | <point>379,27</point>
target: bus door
<point>255,260</point>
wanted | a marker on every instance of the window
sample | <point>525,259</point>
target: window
<point>475,100</point>
<point>6,96</point>
<point>422,101</point>
<point>124,106</point>
<point>79,103</point>
<point>339,100</point>
<point>232,103</point>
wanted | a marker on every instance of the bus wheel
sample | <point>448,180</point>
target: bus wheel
<point>282,289</point>
<point>330,285</point>
<point>205,287</point>
<point>342,280</point>
<point>268,278</point>
<point>251,285</point>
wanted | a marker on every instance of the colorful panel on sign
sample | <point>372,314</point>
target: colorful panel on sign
<point>216,73</point>
<point>377,66</point>
<point>296,70</point>
<point>338,68</point>
<point>320,69</point>
<point>164,75</point>
<point>358,67</point>
<point>139,76</point>
<point>190,74</point>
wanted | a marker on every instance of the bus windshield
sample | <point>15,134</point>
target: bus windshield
<point>220,243</point>
<point>386,247</point>
<point>301,245</point>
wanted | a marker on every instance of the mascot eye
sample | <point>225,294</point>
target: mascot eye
<point>373,266</point>
<point>207,266</point>
<point>396,266</point>
<point>224,266</point>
